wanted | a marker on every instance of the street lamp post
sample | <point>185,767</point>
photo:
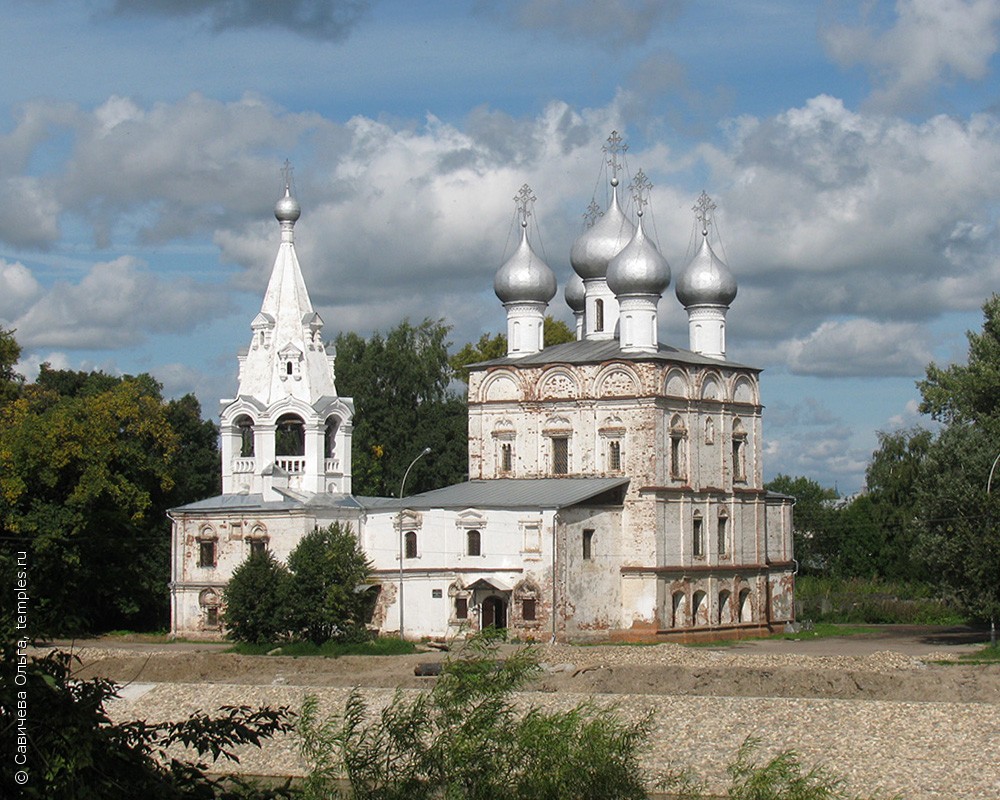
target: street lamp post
<point>989,485</point>
<point>402,487</point>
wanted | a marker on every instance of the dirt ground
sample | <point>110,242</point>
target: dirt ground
<point>893,663</point>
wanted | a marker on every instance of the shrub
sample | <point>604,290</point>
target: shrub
<point>324,602</point>
<point>256,600</point>
<point>466,739</point>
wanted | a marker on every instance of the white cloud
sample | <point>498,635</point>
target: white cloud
<point>18,289</point>
<point>115,305</point>
<point>860,347</point>
<point>929,43</point>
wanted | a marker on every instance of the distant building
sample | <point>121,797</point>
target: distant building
<point>615,484</point>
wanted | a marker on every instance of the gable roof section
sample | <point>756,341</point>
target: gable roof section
<point>503,493</point>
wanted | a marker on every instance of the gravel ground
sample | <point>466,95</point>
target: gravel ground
<point>883,720</point>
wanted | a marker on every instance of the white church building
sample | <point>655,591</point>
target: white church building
<point>615,482</point>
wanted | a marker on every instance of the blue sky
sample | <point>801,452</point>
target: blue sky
<point>852,149</point>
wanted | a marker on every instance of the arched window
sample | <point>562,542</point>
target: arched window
<point>699,608</point>
<point>330,436</point>
<point>679,609</point>
<point>697,536</point>
<point>678,459</point>
<point>410,544</point>
<point>473,543</point>
<point>598,315</point>
<point>615,455</point>
<point>739,451</point>
<point>244,425</point>
<point>290,436</point>
<point>746,608</point>
<point>506,457</point>
<point>725,608</point>
<point>209,601</point>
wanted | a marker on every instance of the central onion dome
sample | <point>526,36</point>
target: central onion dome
<point>601,242</point>
<point>639,268</point>
<point>706,281</point>
<point>524,278</point>
<point>287,209</point>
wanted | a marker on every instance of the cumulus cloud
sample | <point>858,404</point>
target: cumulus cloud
<point>609,23</point>
<point>930,42</point>
<point>860,347</point>
<point>115,305</point>
<point>18,289</point>
<point>839,213</point>
<point>331,20</point>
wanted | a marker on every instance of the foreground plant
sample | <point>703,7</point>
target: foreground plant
<point>781,778</point>
<point>465,738</point>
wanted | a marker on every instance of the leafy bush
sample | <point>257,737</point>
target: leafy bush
<point>316,597</point>
<point>466,739</point>
<point>256,598</point>
<point>75,752</point>
<point>380,646</point>
<point>323,601</point>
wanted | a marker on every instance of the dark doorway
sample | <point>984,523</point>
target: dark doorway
<point>494,613</point>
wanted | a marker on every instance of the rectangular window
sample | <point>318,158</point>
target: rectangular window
<point>676,457</point>
<point>560,455</point>
<point>723,536</point>
<point>588,544</point>
<point>697,537</point>
<point>461,608</point>
<point>257,546</point>
<point>206,553</point>
<point>212,616</point>
<point>506,457</point>
<point>614,455</point>
<point>528,609</point>
<point>436,594</point>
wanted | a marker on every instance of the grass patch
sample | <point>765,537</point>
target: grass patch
<point>821,630</point>
<point>383,646</point>
<point>873,602</point>
<point>988,655</point>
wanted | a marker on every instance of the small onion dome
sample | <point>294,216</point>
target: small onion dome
<point>707,280</point>
<point>639,268</point>
<point>287,209</point>
<point>525,277</point>
<point>601,242</point>
<point>575,293</point>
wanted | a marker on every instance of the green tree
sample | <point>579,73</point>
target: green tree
<point>554,331</point>
<point>323,599</point>
<point>256,600</point>
<point>10,352</point>
<point>814,534</point>
<point>89,465</point>
<point>400,382</point>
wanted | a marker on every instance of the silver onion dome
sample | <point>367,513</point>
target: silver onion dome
<point>706,281</point>
<point>601,242</point>
<point>575,293</point>
<point>524,277</point>
<point>287,209</point>
<point>639,268</point>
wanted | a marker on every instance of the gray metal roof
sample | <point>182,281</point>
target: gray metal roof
<point>256,502</point>
<point>597,351</point>
<point>502,493</point>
